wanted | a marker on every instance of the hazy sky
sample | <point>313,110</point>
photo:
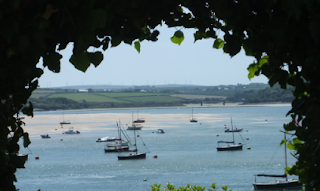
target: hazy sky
<point>158,63</point>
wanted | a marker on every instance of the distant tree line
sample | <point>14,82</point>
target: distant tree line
<point>275,94</point>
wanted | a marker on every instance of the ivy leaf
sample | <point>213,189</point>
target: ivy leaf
<point>218,43</point>
<point>26,140</point>
<point>290,146</point>
<point>81,61</point>
<point>52,60</point>
<point>178,37</point>
<point>283,142</point>
<point>95,58</point>
<point>252,68</point>
<point>137,46</point>
<point>263,60</point>
<point>28,110</point>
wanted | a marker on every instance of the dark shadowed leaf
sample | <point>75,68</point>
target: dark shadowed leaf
<point>81,62</point>
<point>26,140</point>
<point>52,60</point>
<point>95,58</point>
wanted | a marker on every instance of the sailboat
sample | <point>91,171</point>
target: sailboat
<point>193,120</point>
<point>139,120</point>
<point>136,155</point>
<point>278,184</point>
<point>231,147</point>
<point>134,126</point>
<point>63,122</point>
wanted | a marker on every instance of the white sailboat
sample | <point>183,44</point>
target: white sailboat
<point>134,126</point>
<point>63,122</point>
<point>279,184</point>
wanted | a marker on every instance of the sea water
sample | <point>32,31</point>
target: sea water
<point>186,152</point>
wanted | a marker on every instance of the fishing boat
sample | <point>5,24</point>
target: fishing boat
<point>64,122</point>
<point>136,155</point>
<point>71,131</point>
<point>279,184</point>
<point>193,120</point>
<point>139,120</point>
<point>45,136</point>
<point>230,147</point>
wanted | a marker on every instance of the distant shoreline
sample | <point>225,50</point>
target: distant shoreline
<point>205,105</point>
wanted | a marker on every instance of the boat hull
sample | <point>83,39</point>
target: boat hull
<point>277,185</point>
<point>133,156</point>
<point>235,130</point>
<point>116,149</point>
<point>134,128</point>
<point>230,148</point>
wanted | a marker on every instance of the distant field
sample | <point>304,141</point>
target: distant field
<point>153,98</point>
<point>122,95</point>
<point>89,97</point>
<point>189,96</point>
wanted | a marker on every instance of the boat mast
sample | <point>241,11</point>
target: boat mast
<point>232,132</point>
<point>135,140</point>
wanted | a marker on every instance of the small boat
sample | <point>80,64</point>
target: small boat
<point>232,147</point>
<point>160,131</point>
<point>71,131</point>
<point>139,120</point>
<point>118,143</point>
<point>45,136</point>
<point>233,130</point>
<point>107,139</point>
<point>23,155</point>
<point>193,120</point>
<point>279,184</point>
<point>134,126</point>
<point>63,122</point>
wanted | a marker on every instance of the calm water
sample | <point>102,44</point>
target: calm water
<point>186,153</point>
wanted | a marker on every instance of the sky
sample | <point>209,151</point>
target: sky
<point>158,63</point>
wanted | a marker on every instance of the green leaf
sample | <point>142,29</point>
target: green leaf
<point>218,43</point>
<point>178,37</point>
<point>95,58</point>
<point>52,60</point>
<point>81,62</point>
<point>290,146</point>
<point>263,60</point>
<point>283,142</point>
<point>137,46</point>
<point>253,68</point>
<point>26,140</point>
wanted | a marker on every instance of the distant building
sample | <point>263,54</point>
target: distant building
<point>83,90</point>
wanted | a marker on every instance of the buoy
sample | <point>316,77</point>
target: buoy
<point>37,157</point>
<point>61,139</point>
<point>247,130</point>
<point>266,119</point>
<point>247,138</point>
<point>152,132</point>
<point>56,129</point>
<point>138,135</point>
<point>225,127</point>
<point>61,127</point>
<point>155,156</point>
<point>200,123</point>
<point>217,135</point>
<point>248,148</point>
<point>144,179</point>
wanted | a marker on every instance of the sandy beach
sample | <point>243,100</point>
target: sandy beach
<point>49,124</point>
